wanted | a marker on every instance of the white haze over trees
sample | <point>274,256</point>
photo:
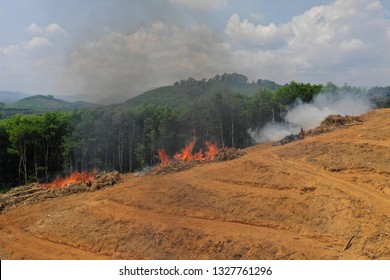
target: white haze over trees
<point>310,115</point>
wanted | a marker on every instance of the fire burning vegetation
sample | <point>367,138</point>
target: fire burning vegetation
<point>186,154</point>
<point>77,182</point>
<point>76,177</point>
<point>186,158</point>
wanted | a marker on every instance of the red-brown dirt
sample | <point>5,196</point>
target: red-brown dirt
<point>324,197</point>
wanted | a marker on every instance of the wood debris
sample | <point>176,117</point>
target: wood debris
<point>334,122</point>
<point>34,193</point>
<point>330,123</point>
<point>173,166</point>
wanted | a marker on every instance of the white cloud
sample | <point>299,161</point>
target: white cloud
<point>352,45</point>
<point>9,50</point>
<point>374,5</point>
<point>344,41</point>
<point>34,28</point>
<point>37,43</point>
<point>51,29</point>
<point>202,4</point>
<point>245,33</point>
<point>54,28</point>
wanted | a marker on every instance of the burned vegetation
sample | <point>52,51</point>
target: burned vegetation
<point>186,159</point>
<point>180,165</point>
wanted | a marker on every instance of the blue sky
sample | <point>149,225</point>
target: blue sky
<point>116,49</point>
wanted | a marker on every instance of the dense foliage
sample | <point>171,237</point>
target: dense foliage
<point>126,137</point>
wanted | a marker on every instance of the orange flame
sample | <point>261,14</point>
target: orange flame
<point>75,177</point>
<point>186,154</point>
<point>163,156</point>
<point>212,150</point>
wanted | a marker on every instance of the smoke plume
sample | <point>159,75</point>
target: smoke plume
<point>310,115</point>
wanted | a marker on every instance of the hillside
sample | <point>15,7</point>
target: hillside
<point>324,197</point>
<point>190,90</point>
<point>24,104</point>
<point>49,103</point>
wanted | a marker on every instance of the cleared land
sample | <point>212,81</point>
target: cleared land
<point>324,197</point>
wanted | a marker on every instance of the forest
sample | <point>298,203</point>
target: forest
<point>126,137</point>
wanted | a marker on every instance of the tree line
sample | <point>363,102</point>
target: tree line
<point>36,148</point>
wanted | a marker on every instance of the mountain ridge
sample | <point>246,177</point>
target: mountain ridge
<point>49,103</point>
<point>191,90</point>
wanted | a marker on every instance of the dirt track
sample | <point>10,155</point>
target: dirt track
<point>324,197</point>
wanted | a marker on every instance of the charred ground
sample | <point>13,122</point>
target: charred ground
<point>324,197</point>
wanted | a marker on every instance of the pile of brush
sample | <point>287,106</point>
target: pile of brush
<point>333,122</point>
<point>180,165</point>
<point>34,193</point>
<point>174,166</point>
<point>26,195</point>
<point>103,180</point>
<point>228,154</point>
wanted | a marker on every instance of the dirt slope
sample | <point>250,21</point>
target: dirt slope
<point>324,197</point>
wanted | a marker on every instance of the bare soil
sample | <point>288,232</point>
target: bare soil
<point>324,197</point>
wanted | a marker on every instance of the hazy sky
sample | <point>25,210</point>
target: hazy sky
<point>116,49</point>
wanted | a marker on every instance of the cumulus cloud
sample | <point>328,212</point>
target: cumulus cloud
<point>34,28</point>
<point>202,4</point>
<point>9,50</point>
<point>325,43</point>
<point>351,45</point>
<point>54,28</point>
<point>244,33</point>
<point>123,65</point>
<point>374,5</point>
<point>51,29</point>
<point>34,64</point>
<point>343,41</point>
<point>37,43</point>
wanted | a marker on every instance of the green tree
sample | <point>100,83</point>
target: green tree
<point>288,93</point>
<point>17,129</point>
<point>140,154</point>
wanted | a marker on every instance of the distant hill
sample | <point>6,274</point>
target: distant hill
<point>11,96</point>
<point>50,103</point>
<point>190,90</point>
<point>76,98</point>
<point>35,104</point>
<point>183,92</point>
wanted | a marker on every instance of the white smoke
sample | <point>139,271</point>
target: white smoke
<point>273,132</point>
<point>310,115</point>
